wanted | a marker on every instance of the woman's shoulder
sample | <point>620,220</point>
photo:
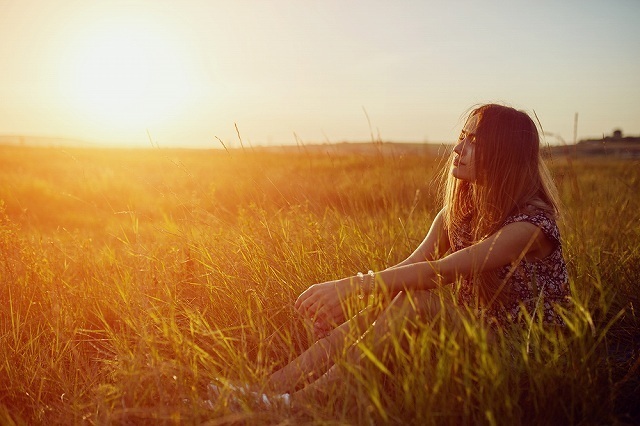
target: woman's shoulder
<point>545,219</point>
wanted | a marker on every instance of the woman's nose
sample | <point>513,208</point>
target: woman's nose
<point>458,148</point>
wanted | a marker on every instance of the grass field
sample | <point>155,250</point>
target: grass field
<point>131,278</point>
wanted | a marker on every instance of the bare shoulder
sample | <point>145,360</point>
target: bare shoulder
<point>536,244</point>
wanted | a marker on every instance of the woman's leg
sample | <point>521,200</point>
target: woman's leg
<point>313,362</point>
<point>401,316</point>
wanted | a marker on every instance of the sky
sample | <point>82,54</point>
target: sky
<point>189,73</point>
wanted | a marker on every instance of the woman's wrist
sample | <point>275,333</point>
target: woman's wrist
<point>365,283</point>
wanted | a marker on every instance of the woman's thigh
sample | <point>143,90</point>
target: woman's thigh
<point>416,307</point>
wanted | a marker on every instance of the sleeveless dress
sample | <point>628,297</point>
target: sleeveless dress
<point>535,286</point>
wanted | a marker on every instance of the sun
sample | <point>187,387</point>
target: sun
<point>127,75</point>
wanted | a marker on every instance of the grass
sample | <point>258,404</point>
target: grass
<point>131,278</point>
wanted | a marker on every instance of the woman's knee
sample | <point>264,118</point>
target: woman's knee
<point>417,302</point>
<point>402,312</point>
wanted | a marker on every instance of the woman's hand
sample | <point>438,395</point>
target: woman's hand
<point>324,302</point>
<point>319,328</point>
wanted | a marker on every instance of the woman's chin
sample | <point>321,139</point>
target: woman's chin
<point>461,175</point>
<point>456,173</point>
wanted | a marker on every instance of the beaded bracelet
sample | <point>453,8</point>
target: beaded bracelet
<point>371,284</point>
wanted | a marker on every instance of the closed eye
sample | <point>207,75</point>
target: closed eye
<point>464,135</point>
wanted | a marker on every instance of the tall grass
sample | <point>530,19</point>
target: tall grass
<point>130,279</point>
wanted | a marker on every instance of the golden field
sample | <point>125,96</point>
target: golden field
<point>131,278</point>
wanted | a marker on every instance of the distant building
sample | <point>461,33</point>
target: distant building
<point>616,136</point>
<point>616,144</point>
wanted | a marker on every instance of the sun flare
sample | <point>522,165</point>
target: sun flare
<point>128,75</point>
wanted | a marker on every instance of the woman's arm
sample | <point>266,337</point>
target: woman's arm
<point>509,245</point>
<point>434,245</point>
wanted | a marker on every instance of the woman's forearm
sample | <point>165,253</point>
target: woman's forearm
<point>325,300</point>
<point>411,276</point>
<point>414,276</point>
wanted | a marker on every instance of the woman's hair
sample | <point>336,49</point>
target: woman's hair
<point>511,176</point>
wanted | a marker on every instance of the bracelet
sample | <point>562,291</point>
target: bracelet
<point>360,276</point>
<point>370,285</point>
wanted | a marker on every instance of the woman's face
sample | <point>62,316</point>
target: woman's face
<point>464,164</point>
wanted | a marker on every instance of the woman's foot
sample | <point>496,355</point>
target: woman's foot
<point>243,396</point>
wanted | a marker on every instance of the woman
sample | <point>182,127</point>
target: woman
<point>495,236</point>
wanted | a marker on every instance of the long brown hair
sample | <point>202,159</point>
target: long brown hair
<point>511,178</point>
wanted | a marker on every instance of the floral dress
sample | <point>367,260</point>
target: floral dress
<point>533,285</point>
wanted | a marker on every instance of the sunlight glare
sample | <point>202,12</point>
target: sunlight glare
<point>128,76</point>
